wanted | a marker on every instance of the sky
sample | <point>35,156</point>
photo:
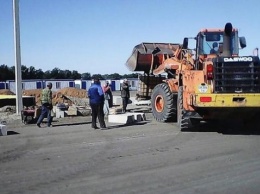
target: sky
<point>98,36</point>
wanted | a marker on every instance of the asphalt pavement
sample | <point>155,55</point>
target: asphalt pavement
<point>146,157</point>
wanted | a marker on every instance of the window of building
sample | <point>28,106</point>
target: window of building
<point>58,85</point>
<point>133,84</point>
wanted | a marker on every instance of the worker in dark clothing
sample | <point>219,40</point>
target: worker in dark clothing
<point>125,94</point>
<point>46,108</point>
<point>214,49</point>
<point>96,100</point>
<point>108,94</point>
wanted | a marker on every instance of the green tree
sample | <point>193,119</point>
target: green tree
<point>39,74</point>
<point>28,73</point>
<point>24,72</point>
<point>75,75</point>
<point>133,75</point>
<point>7,73</point>
<point>55,73</point>
<point>114,76</point>
<point>99,76</point>
<point>47,75</point>
<point>68,74</point>
<point>86,76</point>
<point>32,72</point>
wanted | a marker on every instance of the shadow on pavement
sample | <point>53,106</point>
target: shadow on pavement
<point>12,133</point>
<point>71,124</point>
<point>126,125</point>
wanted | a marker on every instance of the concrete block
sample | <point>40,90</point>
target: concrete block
<point>84,112</point>
<point>59,113</point>
<point>115,110</point>
<point>117,100</point>
<point>3,130</point>
<point>61,106</point>
<point>122,119</point>
<point>142,102</point>
<point>132,99</point>
<point>71,112</point>
<point>54,109</point>
<point>138,116</point>
<point>72,108</point>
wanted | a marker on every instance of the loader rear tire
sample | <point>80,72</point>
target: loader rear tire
<point>164,103</point>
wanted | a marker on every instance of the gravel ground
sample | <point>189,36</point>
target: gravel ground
<point>148,157</point>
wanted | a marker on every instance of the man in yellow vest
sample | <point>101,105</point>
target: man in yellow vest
<point>46,101</point>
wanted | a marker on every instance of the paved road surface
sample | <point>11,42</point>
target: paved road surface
<point>147,158</point>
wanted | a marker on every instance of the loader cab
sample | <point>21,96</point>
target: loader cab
<point>211,42</point>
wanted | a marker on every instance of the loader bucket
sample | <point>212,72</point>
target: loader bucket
<point>142,58</point>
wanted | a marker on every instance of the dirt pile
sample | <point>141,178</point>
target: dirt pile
<point>73,92</point>
<point>66,95</point>
<point>6,92</point>
<point>71,96</point>
<point>34,92</point>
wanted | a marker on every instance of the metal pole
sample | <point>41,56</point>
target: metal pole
<point>18,73</point>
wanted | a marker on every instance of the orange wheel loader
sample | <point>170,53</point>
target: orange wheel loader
<point>209,82</point>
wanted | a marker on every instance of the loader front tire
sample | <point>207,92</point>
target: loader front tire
<point>164,103</point>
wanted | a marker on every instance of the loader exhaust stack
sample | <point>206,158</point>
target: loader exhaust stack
<point>227,40</point>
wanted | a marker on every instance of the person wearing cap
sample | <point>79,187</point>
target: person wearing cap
<point>125,94</point>
<point>46,100</point>
<point>96,101</point>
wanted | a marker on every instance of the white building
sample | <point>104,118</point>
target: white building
<point>58,84</point>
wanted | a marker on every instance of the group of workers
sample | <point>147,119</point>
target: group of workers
<point>100,100</point>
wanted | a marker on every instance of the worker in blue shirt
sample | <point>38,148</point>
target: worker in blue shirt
<point>96,101</point>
